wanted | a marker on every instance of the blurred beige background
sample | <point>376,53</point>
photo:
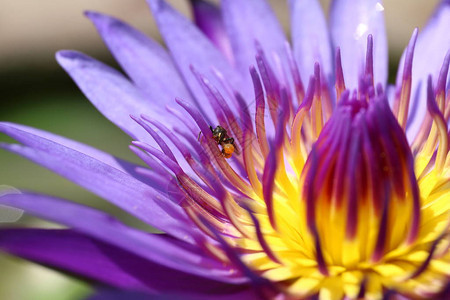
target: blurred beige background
<point>32,30</point>
<point>36,92</point>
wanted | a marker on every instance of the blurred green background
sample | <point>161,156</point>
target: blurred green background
<point>36,92</point>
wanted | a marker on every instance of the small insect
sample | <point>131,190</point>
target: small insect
<point>220,135</point>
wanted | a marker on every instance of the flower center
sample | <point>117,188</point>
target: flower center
<point>359,182</point>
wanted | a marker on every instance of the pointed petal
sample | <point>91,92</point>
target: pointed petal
<point>189,46</point>
<point>250,21</point>
<point>97,154</point>
<point>310,38</point>
<point>156,248</point>
<point>351,21</point>
<point>432,45</point>
<point>208,18</point>
<point>107,182</point>
<point>144,60</point>
<point>226,294</point>
<point>110,92</point>
<point>76,253</point>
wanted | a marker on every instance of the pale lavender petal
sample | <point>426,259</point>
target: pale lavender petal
<point>351,21</point>
<point>432,45</point>
<point>190,47</point>
<point>250,21</point>
<point>110,92</point>
<point>107,182</point>
<point>208,18</point>
<point>97,154</point>
<point>157,248</point>
<point>311,39</point>
<point>147,63</point>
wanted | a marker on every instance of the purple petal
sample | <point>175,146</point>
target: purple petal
<point>310,37</point>
<point>145,61</point>
<point>189,46</point>
<point>351,21</point>
<point>84,256</point>
<point>107,182</point>
<point>227,294</point>
<point>250,21</point>
<point>208,18</point>
<point>97,154</point>
<point>433,43</point>
<point>110,92</point>
<point>157,248</point>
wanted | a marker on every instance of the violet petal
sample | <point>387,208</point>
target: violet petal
<point>208,19</point>
<point>76,253</point>
<point>248,22</point>
<point>144,60</point>
<point>311,39</point>
<point>97,154</point>
<point>433,43</point>
<point>351,21</point>
<point>189,46</point>
<point>110,92</point>
<point>157,248</point>
<point>107,182</point>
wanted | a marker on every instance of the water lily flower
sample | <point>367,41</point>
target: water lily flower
<point>322,179</point>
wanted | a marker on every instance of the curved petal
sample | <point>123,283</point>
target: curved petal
<point>107,182</point>
<point>108,294</point>
<point>145,61</point>
<point>208,18</point>
<point>311,39</point>
<point>351,21</point>
<point>76,253</point>
<point>157,248</point>
<point>97,154</point>
<point>432,45</point>
<point>250,21</point>
<point>110,92</point>
<point>190,47</point>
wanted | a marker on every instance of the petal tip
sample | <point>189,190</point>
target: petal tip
<point>71,58</point>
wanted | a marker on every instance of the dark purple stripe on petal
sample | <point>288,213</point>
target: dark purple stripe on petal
<point>383,227</point>
<point>369,58</point>
<point>353,163</point>
<point>340,82</point>
<point>261,239</point>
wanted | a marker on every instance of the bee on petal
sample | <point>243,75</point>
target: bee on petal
<point>222,138</point>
